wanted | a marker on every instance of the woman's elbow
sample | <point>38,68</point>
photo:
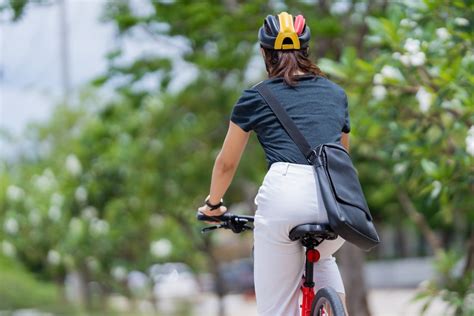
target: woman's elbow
<point>224,165</point>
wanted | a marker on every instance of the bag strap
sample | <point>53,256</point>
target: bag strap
<point>285,120</point>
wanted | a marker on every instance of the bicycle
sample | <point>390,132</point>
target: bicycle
<point>326,301</point>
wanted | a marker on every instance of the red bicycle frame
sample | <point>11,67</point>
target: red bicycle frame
<point>312,256</point>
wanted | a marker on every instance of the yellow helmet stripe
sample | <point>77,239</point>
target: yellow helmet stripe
<point>287,30</point>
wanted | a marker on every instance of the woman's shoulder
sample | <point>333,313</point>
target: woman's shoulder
<point>249,100</point>
<point>250,95</point>
<point>337,89</point>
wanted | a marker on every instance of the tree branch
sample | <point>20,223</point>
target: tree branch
<point>419,220</point>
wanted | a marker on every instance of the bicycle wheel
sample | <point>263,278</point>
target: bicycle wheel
<point>327,303</point>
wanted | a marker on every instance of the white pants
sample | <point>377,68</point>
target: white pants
<point>289,196</point>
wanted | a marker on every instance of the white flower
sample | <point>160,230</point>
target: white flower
<point>81,194</point>
<point>15,193</point>
<point>142,8</point>
<point>42,183</point>
<point>119,273</point>
<point>443,33</point>
<point>34,217</point>
<point>99,227</point>
<point>461,21</point>
<point>418,32</point>
<point>54,213</point>
<point>57,199</point>
<point>396,55</point>
<point>412,45</point>
<point>161,248</point>
<point>417,59</point>
<point>54,258</point>
<point>424,99</point>
<point>434,71</point>
<point>470,141</point>
<point>73,165</point>
<point>391,72</point>
<point>436,189</point>
<point>11,226</point>
<point>467,60</point>
<point>340,7</point>
<point>45,181</point>
<point>378,79</point>
<point>89,212</point>
<point>379,92</point>
<point>75,227</point>
<point>400,168</point>
<point>407,23</point>
<point>8,249</point>
<point>405,59</point>
<point>137,281</point>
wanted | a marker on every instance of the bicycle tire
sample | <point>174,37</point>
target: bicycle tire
<point>327,297</point>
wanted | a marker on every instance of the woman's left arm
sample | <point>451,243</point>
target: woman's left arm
<point>225,166</point>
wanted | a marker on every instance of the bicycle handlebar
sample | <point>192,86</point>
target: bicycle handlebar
<point>236,223</point>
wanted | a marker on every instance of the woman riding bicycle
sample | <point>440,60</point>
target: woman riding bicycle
<point>289,194</point>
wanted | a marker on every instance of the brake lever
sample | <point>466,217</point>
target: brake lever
<point>247,227</point>
<point>210,228</point>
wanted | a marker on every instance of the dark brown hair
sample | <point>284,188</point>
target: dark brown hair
<point>286,64</point>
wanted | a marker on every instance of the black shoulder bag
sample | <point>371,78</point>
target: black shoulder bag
<point>342,194</point>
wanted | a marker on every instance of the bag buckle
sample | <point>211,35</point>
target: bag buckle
<point>314,158</point>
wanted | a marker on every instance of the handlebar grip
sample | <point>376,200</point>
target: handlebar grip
<point>203,217</point>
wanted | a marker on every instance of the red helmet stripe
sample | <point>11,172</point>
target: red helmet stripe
<point>299,24</point>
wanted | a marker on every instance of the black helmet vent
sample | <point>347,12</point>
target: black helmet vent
<point>287,40</point>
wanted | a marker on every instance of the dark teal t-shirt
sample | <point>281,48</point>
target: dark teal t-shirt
<point>317,105</point>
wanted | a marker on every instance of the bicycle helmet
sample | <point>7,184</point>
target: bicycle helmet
<point>280,33</point>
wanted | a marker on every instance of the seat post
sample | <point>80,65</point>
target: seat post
<point>309,269</point>
<point>311,256</point>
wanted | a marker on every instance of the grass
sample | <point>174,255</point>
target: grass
<point>21,289</point>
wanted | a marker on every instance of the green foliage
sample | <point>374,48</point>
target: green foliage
<point>415,119</point>
<point>448,286</point>
<point>17,8</point>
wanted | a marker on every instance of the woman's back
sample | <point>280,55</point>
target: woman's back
<point>317,106</point>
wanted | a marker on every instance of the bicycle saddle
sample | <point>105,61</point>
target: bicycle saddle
<point>312,230</point>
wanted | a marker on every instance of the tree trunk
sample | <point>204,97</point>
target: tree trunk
<point>219,282</point>
<point>469,267</point>
<point>85,289</point>
<point>401,239</point>
<point>351,264</point>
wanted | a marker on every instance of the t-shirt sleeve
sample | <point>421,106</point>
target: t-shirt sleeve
<point>244,111</point>
<point>346,128</point>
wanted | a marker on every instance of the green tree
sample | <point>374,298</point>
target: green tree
<point>414,128</point>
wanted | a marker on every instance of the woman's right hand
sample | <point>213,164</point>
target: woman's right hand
<point>212,213</point>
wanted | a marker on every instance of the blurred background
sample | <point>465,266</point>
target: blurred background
<point>112,113</point>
